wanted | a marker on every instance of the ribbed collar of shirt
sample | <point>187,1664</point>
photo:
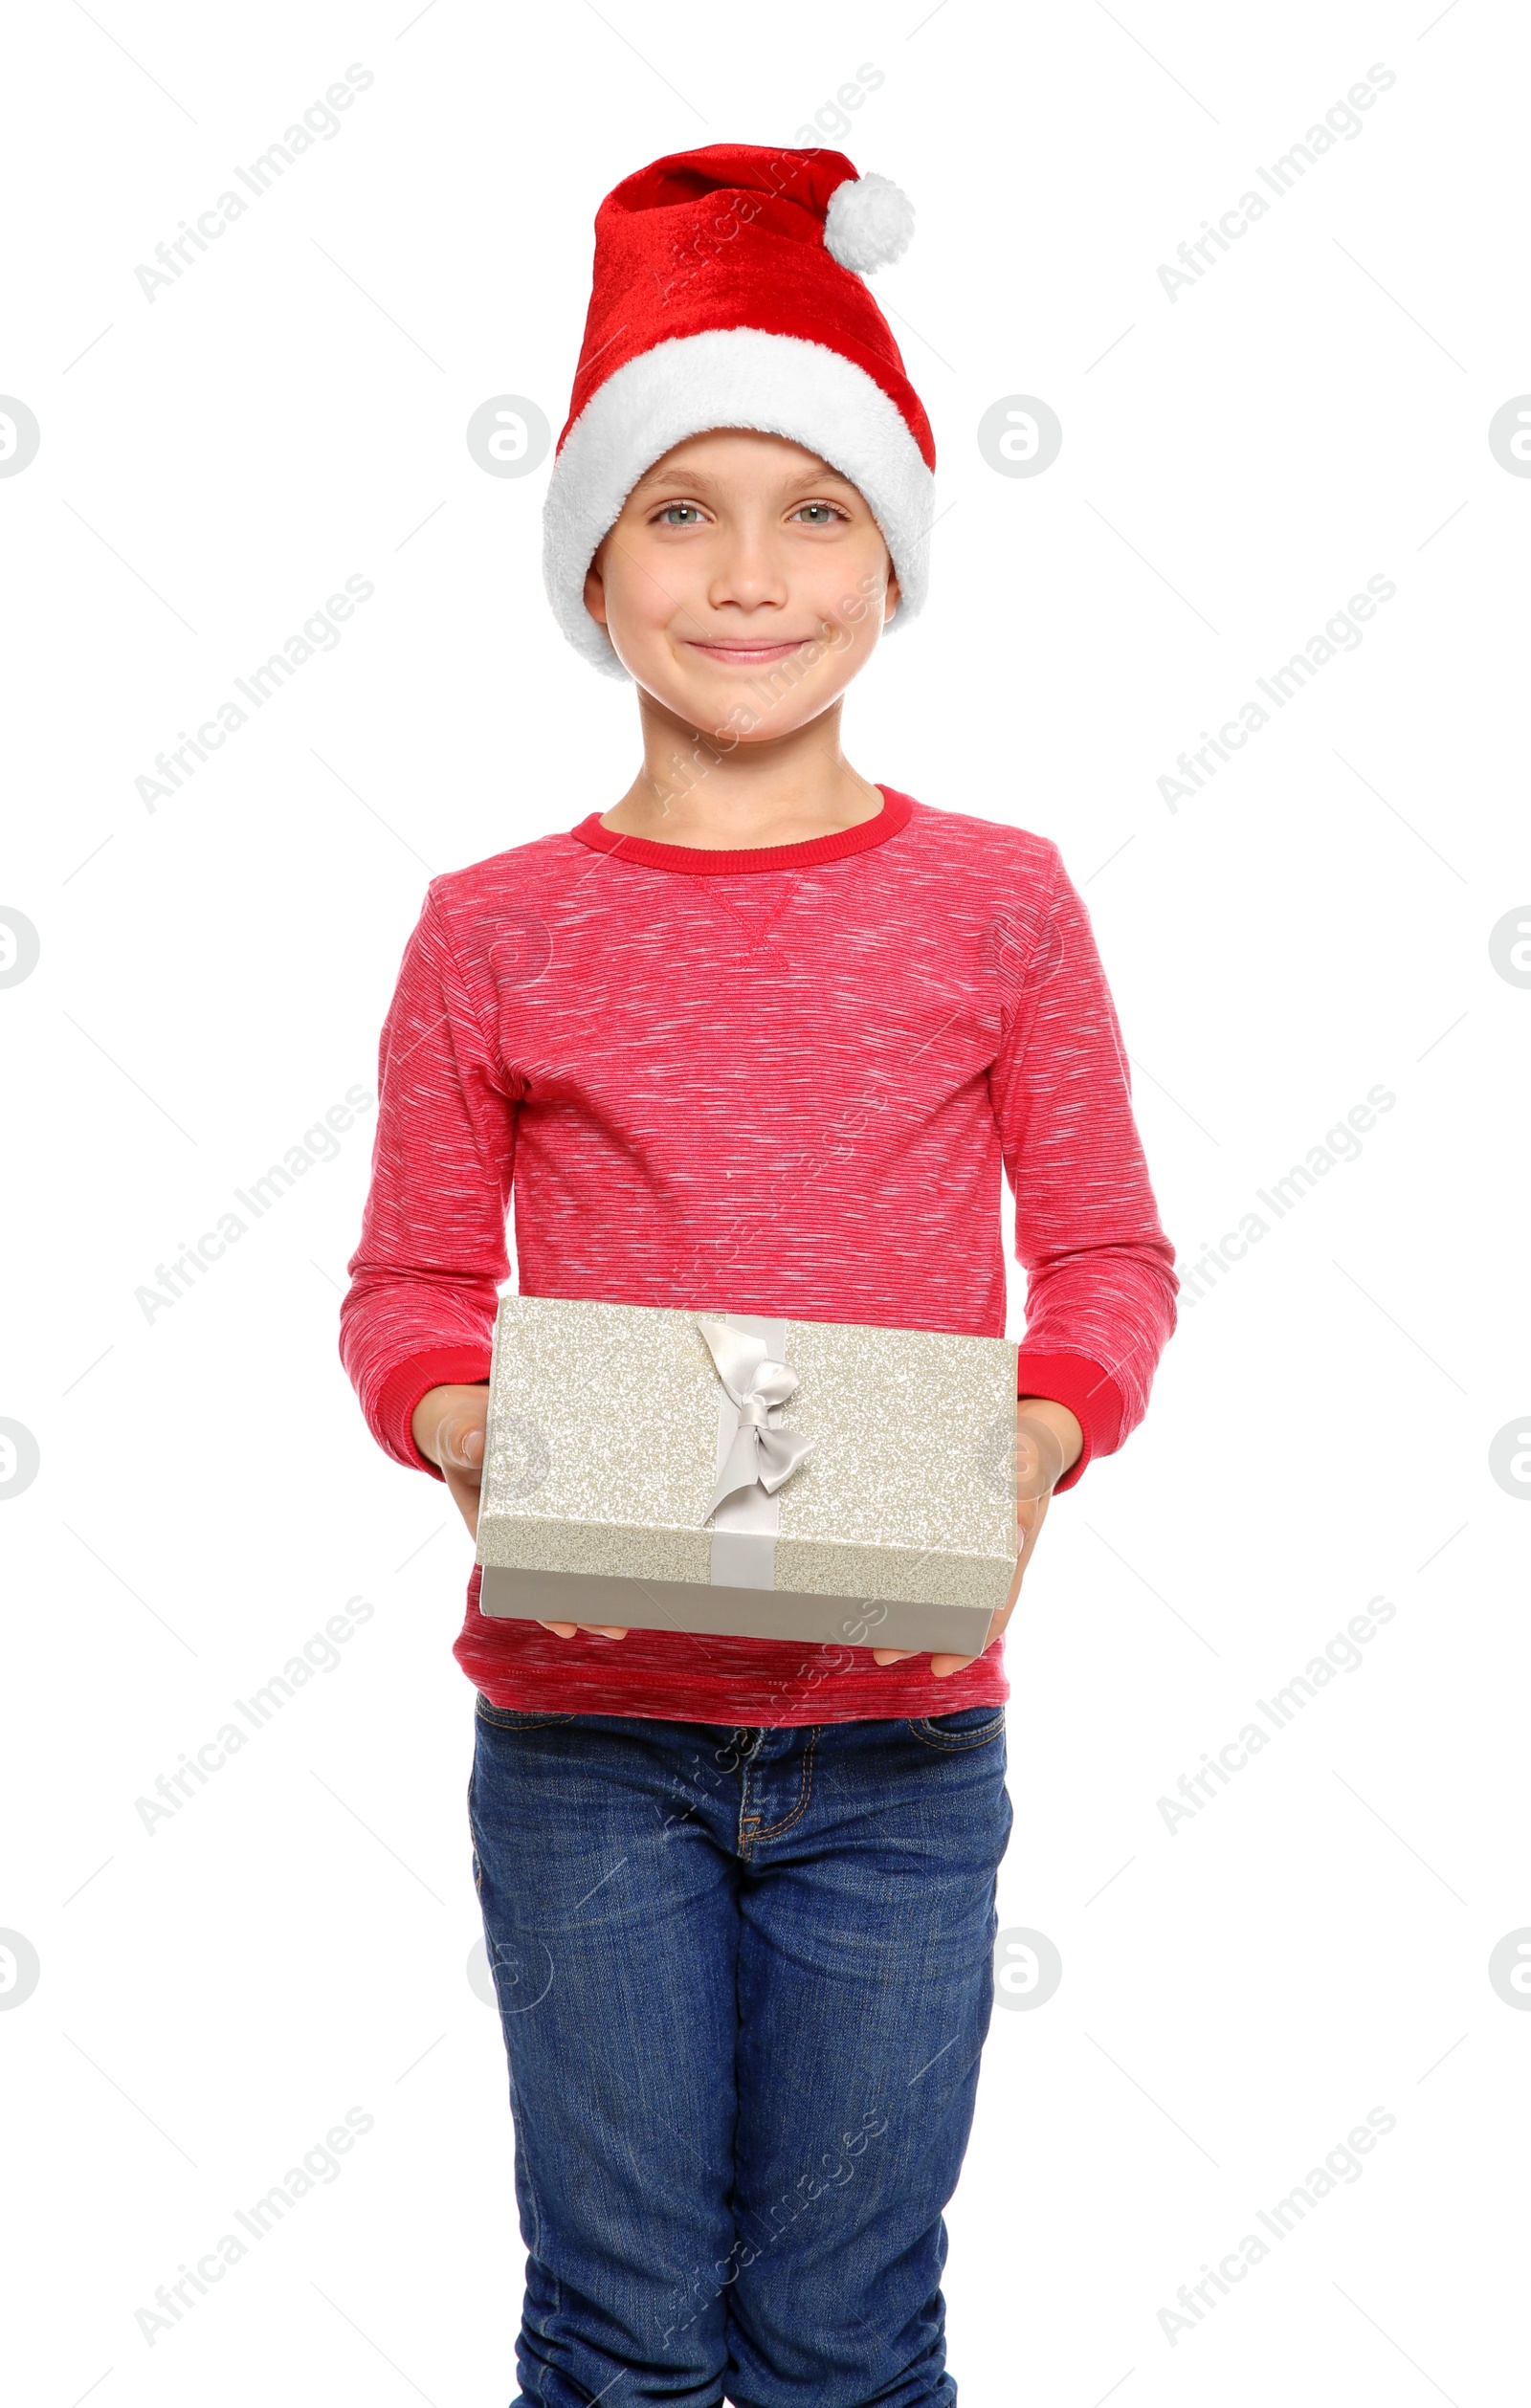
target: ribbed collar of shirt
<point>706,861</point>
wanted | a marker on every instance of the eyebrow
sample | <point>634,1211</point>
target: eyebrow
<point>694,478</point>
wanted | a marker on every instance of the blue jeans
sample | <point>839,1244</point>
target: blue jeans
<point>744,1977</point>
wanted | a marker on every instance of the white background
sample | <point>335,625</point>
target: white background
<point>1236,463</point>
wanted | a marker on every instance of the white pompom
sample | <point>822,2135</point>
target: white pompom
<point>869,222</point>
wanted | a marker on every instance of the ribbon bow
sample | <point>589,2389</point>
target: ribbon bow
<point>759,1452</point>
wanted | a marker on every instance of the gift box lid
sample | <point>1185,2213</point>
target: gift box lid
<point>606,1433</point>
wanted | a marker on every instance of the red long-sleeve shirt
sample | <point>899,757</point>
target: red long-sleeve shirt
<point>779,1081</point>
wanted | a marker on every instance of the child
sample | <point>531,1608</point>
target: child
<point>758,1037</point>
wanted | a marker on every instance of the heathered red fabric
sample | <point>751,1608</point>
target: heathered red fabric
<point>779,1082</point>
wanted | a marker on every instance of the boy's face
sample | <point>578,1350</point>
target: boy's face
<point>744,585</point>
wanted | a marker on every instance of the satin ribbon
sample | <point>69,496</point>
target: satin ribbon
<point>760,1453</point>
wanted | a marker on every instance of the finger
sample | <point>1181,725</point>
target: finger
<point>559,1629</point>
<point>605,1629</point>
<point>891,1655</point>
<point>465,1494</point>
<point>944,1664</point>
<point>463,1450</point>
<point>1039,1459</point>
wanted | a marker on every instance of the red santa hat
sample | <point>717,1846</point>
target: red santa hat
<point>727,292</point>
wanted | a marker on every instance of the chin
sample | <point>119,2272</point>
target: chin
<point>700,706</point>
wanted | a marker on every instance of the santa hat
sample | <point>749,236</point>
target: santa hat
<point>727,292</point>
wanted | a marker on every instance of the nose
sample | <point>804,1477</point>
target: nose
<point>749,573</point>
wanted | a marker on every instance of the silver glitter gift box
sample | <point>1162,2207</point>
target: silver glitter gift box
<point>725,1473</point>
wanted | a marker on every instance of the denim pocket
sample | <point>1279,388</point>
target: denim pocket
<point>515,1718</point>
<point>970,1727</point>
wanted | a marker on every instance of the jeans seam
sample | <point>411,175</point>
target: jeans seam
<point>953,1742</point>
<point>804,1791</point>
<point>529,1721</point>
<point>555,2313</point>
<point>472,1846</point>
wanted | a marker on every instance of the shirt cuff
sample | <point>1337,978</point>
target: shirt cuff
<point>1089,1393</point>
<point>444,1366</point>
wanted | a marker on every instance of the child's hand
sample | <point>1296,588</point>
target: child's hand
<point>1047,1440</point>
<point>448,1426</point>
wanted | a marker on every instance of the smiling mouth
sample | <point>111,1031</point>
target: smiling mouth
<point>748,655</point>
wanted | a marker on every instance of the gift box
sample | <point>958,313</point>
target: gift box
<point>725,1473</point>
